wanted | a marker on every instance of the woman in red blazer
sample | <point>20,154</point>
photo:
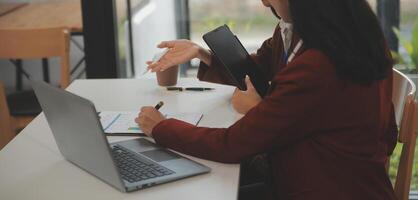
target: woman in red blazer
<point>327,125</point>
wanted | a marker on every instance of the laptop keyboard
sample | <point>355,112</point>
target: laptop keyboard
<point>133,168</point>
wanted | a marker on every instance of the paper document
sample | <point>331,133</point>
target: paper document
<point>124,122</point>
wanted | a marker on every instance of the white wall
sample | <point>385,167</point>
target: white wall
<point>150,25</point>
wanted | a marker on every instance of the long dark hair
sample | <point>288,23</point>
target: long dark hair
<point>348,32</point>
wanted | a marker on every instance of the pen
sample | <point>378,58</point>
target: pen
<point>156,58</point>
<point>189,89</point>
<point>198,89</point>
<point>175,88</point>
<point>159,105</point>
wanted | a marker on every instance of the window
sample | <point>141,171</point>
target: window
<point>249,20</point>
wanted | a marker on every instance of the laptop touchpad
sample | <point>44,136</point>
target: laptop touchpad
<point>160,155</point>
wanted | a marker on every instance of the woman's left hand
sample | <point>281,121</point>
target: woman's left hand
<point>243,101</point>
<point>148,118</point>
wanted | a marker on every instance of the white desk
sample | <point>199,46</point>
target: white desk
<point>31,166</point>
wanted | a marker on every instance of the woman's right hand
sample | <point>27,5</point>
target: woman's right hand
<point>179,52</point>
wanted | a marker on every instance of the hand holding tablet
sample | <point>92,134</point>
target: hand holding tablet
<point>233,56</point>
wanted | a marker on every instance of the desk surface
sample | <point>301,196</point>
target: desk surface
<point>31,166</point>
<point>66,13</point>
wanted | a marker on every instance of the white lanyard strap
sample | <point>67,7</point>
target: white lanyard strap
<point>295,50</point>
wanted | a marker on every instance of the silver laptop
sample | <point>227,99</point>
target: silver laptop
<point>128,165</point>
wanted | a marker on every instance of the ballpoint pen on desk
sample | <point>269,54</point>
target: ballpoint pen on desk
<point>189,89</point>
<point>156,58</point>
<point>198,89</point>
<point>175,89</point>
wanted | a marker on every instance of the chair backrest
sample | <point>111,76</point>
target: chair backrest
<point>403,95</point>
<point>6,131</point>
<point>406,111</point>
<point>38,43</point>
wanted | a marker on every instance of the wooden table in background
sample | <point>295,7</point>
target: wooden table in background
<point>47,14</point>
<point>6,8</point>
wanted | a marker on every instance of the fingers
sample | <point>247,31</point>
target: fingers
<point>237,95</point>
<point>248,83</point>
<point>139,119</point>
<point>237,90</point>
<point>154,67</point>
<point>166,44</point>
<point>161,65</point>
<point>145,112</point>
<point>144,115</point>
<point>148,112</point>
<point>146,108</point>
<point>144,123</point>
<point>247,80</point>
<point>148,118</point>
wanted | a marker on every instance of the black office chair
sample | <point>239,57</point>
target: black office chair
<point>254,179</point>
<point>23,107</point>
<point>16,111</point>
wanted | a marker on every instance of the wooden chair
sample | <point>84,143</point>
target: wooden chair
<point>38,44</point>
<point>406,111</point>
<point>6,131</point>
<point>33,44</point>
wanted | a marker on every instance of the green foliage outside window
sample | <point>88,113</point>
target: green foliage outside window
<point>394,163</point>
<point>408,62</point>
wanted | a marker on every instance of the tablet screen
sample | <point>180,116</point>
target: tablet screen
<point>229,51</point>
<point>232,54</point>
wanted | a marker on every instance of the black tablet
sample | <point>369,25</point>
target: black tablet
<point>233,56</point>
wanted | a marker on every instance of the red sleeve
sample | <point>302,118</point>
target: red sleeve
<point>277,121</point>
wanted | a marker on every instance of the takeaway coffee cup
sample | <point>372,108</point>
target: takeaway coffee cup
<point>168,77</point>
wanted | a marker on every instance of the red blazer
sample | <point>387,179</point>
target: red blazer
<point>325,138</point>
